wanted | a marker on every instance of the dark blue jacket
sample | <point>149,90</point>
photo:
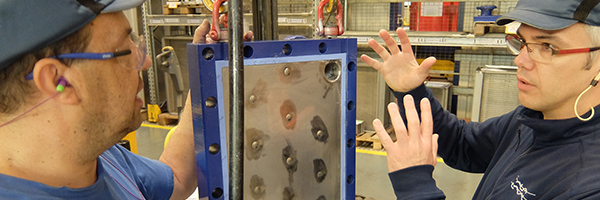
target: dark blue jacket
<point>521,155</point>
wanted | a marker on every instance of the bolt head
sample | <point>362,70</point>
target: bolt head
<point>320,174</point>
<point>290,161</point>
<point>320,134</point>
<point>255,145</point>
<point>257,189</point>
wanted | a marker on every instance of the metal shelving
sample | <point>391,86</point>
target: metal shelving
<point>306,19</point>
<point>296,19</point>
<point>362,20</point>
<point>284,19</point>
<point>456,39</point>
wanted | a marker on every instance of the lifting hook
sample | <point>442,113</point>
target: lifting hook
<point>330,31</point>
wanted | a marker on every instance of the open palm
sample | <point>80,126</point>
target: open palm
<point>399,68</point>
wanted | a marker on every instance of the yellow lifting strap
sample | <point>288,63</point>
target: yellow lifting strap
<point>330,6</point>
<point>209,5</point>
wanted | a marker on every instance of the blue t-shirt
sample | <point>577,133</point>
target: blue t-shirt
<point>121,175</point>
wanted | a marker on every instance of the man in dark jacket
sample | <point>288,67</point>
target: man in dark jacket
<point>548,148</point>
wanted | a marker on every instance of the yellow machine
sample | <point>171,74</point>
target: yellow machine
<point>132,142</point>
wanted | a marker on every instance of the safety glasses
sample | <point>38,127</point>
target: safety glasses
<point>131,57</point>
<point>543,52</point>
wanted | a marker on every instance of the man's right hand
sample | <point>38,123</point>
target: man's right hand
<point>399,68</point>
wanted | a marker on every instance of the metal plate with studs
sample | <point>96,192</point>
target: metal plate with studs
<point>299,118</point>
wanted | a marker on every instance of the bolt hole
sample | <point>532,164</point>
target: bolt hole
<point>351,66</point>
<point>208,53</point>
<point>350,179</point>
<point>332,71</point>
<point>214,149</point>
<point>322,47</point>
<point>350,143</point>
<point>217,193</point>
<point>211,102</point>
<point>351,105</point>
<point>248,51</point>
<point>287,49</point>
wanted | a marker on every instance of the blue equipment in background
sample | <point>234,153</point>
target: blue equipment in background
<point>486,14</point>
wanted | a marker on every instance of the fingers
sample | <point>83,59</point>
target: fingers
<point>209,40</point>
<point>426,64</point>
<point>200,32</point>
<point>404,42</point>
<point>389,41</point>
<point>248,36</point>
<point>413,148</point>
<point>371,62</point>
<point>426,120</point>
<point>385,139</point>
<point>401,132</point>
<point>382,52</point>
<point>434,147</point>
<point>222,19</point>
<point>412,118</point>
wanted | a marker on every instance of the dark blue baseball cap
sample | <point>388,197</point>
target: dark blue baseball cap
<point>30,25</point>
<point>553,14</point>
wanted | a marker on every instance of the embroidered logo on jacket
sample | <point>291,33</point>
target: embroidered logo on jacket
<point>521,190</point>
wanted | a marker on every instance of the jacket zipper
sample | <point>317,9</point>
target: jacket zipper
<point>506,168</point>
<point>518,140</point>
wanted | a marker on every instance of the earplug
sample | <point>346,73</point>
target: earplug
<point>62,83</point>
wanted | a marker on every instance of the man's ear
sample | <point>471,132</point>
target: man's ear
<point>46,75</point>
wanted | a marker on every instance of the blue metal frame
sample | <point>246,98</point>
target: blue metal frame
<point>206,81</point>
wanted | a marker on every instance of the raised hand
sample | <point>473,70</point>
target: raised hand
<point>399,68</point>
<point>415,146</point>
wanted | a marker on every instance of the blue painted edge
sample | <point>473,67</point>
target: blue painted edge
<point>351,67</point>
<point>196,98</point>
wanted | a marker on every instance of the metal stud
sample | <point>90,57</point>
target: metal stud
<point>320,174</point>
<point>290,161</point>
<point>287,71</point>
<point>257,189</point>
<point>255,145</point>
<point>320,134</point>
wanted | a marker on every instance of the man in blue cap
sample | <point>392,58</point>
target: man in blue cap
<point>548,148</point>
<point>69,78</point>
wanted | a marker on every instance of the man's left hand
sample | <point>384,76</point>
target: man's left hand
<point>415,146</point>
<point>201,34</point>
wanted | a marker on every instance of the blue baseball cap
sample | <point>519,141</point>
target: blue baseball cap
<point>553,14</point>
<point>30,25</point>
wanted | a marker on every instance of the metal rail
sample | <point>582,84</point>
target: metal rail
<point>152,87</point>
<point>236,85</point>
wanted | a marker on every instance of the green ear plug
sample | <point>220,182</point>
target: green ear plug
<point>62,82</point>
<point>60,88</point>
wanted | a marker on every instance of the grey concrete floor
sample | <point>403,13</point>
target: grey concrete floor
<point>371,170</point>
<point>151,141</point>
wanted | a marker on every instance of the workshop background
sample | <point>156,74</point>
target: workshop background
<point>473,78</point>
